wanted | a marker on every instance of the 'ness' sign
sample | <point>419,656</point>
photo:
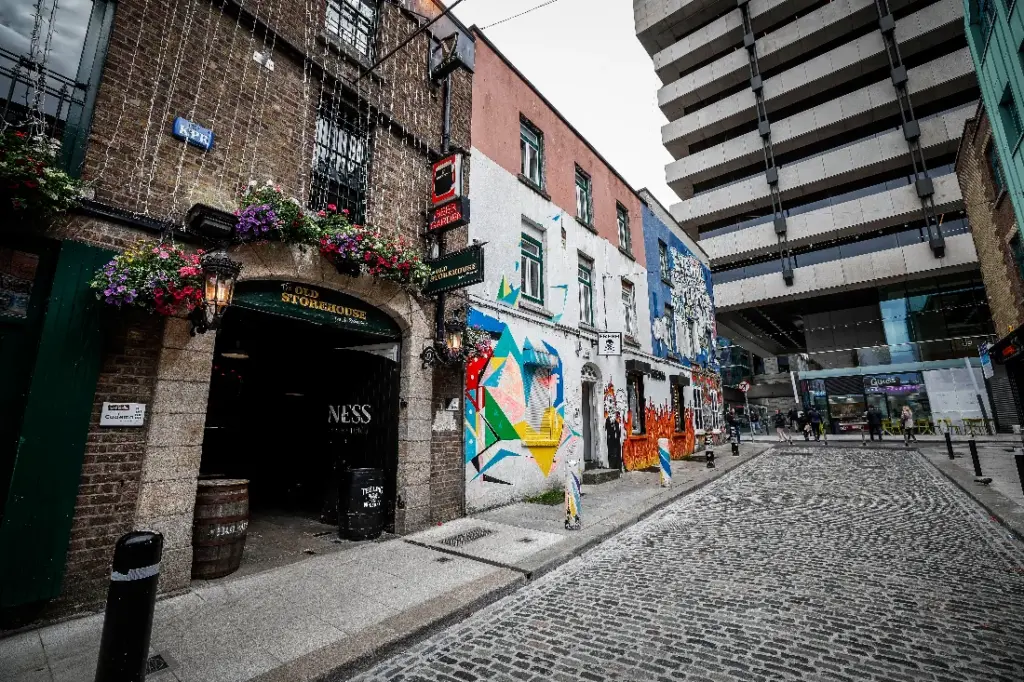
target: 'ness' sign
<point>193,133</point>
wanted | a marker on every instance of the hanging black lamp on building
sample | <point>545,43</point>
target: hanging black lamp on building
<point>220,273</point>
<point>448,350</point>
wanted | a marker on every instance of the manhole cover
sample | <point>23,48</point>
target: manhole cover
<point>465,538</point>
<point>156,663</point>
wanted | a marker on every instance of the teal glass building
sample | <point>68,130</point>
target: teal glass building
<point>995,35</point>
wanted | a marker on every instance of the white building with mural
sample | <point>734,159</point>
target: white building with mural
<point>566,273</point>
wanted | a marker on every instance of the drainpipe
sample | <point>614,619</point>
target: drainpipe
<point>446,140</point>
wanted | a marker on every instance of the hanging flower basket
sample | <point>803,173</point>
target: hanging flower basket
<point>154,276</point>
<point>356,248</point>
<point>32,187</point>
<point>267,214</point>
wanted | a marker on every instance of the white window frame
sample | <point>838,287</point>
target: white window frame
<point>586,306</point>
<point>531,150</point>
<point>527,261</point>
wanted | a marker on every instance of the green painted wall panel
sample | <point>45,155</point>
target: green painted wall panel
<point>999,63</point>
<point>48,465</point>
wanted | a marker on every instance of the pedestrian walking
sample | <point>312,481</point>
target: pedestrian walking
<point>804,424</point>
<point>734,426</point>
<point>875,422</point>
<point>793,414</point>
<point>780,427</point>
<point>755,422</point>
<point>907,420</point>
<point>814,417</point>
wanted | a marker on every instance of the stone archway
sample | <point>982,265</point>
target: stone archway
<point>178,413</point>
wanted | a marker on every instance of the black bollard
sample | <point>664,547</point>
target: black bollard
<point>128,622</point>
<point>949,445</point>
<point>709,452</point>
<point>974,456</point>
<point>1020,469</point>
<point>735,449</point>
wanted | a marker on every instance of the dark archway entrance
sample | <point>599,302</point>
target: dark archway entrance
<point>305,383</point>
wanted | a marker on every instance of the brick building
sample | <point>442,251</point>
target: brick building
<point>285,89</point>
<point>1000,254</point>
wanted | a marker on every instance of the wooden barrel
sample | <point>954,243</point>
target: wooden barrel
<point>361,507</point>
<point>218,531</point>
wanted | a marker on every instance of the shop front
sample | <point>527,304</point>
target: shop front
<point>1009,352</point>
<point>304,387</point>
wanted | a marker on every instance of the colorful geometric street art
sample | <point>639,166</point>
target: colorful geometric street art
<point>514,397</point>
<point>508,294</point>
<point>557,317</point>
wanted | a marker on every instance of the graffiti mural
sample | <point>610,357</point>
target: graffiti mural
<point>691,298</point>
<point>515,406</point>
<point>641,451</point>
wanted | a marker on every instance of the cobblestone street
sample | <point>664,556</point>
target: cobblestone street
<point>811,564</point>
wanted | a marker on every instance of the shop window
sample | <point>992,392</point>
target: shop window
<point>584,198</point>
<point>635,399</point>
<point>663,268</point>
<point>625,238</point>
<point>678,409</point>
<point>531,151</point>
<point>532,268</point>
<point>70,69</point>
<point>585,274</point>
<point>341,158</point>
<point>629,308</point>
<point>354,22</point>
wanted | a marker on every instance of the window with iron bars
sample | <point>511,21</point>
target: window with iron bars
<point>354,22</point>
<point>341,159</point>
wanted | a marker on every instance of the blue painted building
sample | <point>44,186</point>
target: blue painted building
<point>682,304</point>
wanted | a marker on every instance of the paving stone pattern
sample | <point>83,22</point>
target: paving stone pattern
<point>806,564</point>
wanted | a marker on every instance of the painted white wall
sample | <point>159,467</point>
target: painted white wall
<point>500,201</point>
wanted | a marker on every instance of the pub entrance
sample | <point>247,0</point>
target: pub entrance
<point>305,384</point>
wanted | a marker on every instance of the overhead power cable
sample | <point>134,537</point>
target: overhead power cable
<point>516,16</point>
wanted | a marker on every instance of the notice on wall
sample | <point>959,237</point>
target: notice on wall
<point>609,343</point>
<point>123,414</point>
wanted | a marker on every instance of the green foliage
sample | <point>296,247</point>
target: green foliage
<point>31,184</point>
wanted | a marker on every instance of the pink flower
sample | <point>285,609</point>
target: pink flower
<point>164,255</point>
<point>332,207</point>
<point>345,211</point>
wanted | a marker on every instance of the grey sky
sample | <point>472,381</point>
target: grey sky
<point>583,55</point>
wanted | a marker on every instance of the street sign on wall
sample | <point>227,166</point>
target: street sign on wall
<point>456,270</point>
<point>447,179</point>
<point>449,216</point>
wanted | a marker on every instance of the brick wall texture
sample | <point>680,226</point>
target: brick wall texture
<point>194,59</point>
<point>992,225</point>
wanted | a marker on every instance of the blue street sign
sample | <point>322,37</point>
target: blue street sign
<point>193,134</point>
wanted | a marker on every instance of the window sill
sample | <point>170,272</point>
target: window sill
<point>535,308</point>
<point>672,356</point>
<point>346,52</point>
<point>534,186</point>
<point>588,327</point>
<point>637,436</point>
<point>589,226</point>
<point>666,281</point>
<point>630,341</point>
<point>628,254</point>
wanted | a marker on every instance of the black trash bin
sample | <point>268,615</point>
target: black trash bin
<point>361,507</point>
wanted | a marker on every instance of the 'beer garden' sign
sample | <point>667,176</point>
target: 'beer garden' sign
<point>456,270</point>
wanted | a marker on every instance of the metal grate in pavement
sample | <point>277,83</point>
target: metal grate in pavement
<point>469,536</point>
<point>155,664</point>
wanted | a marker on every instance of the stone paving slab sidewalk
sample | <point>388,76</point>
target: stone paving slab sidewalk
<point>337,613</point>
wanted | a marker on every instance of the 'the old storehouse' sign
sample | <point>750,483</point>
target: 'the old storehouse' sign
<point>456,270</point>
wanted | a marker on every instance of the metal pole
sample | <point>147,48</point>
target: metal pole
<point>949,444</point>
<point>974,455</point>
<point>750,422</point>
<point>128,622</point>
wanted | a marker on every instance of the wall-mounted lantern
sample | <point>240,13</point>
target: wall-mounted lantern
<point>220,273</point>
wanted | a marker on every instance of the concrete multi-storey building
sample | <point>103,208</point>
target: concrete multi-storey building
<point>814,145</point>
<point>568,251</point>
